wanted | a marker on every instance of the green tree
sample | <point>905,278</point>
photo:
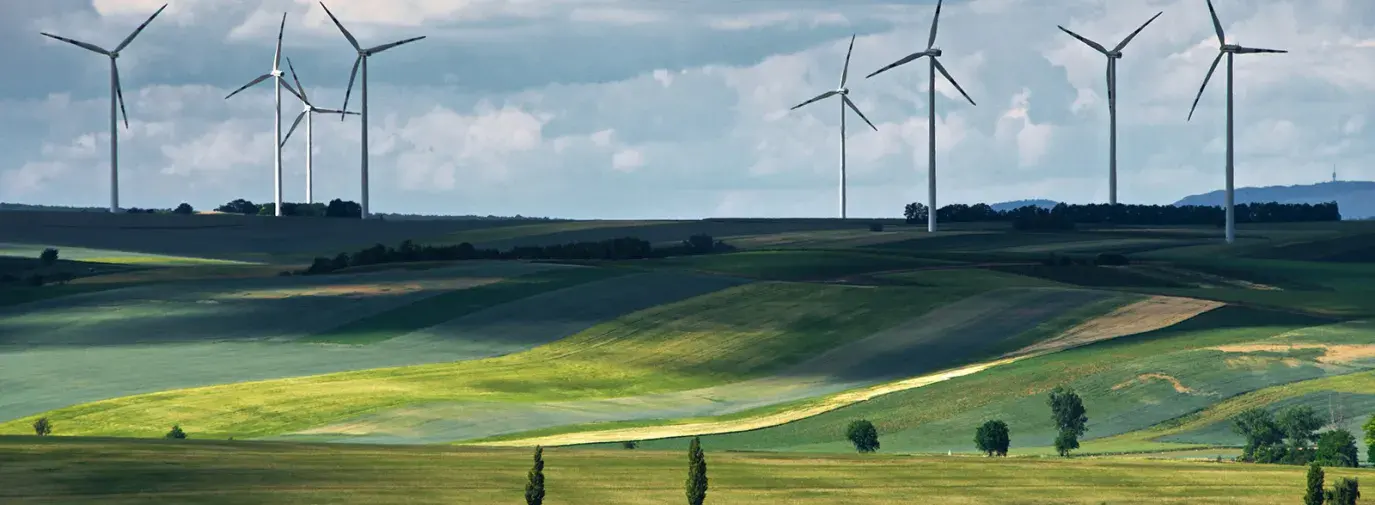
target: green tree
<point>1370,438</point>
<point>1071,419</point>
<point>863,435</point>
<point>48,257</point>
<point>176,432</point>
<point>992,438</point>
<point>42,427</point>
<point>1315,493</point>
<point>1337,448</point>
<point>184,209</point>
<point>1261,432</point>
<point>534,488</point>
<point>1345,492</point>
<point>697,473</point>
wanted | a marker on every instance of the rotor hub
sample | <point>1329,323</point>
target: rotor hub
<point>843,91</point>
<point>1229,48</point>
<point>935,51</point>
<point>1116,55</point>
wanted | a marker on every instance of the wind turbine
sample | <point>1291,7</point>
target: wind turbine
<point>1113,55</point>
<point>116,97</point>
<point>362,59</point>
<point>844,102</point>
<point>1229,50</point>
<point>309,115</point>
<point>932,51</point>
<point>278,82</point>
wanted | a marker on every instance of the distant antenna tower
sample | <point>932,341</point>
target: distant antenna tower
<point>1334,172</point>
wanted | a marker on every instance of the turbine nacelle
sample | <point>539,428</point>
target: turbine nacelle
<point>1116,55</point>
<point>934,52</point>
<point>1230,48</point>
<point>843,91</point>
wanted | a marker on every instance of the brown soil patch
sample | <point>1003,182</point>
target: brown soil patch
<point>1151,314</point>
<point>1334,354</point>
<point>1179,387</point>
<point>360,290</point>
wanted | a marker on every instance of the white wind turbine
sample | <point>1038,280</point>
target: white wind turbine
<point>1113,55</point>
<point>932,51</point>
<point>309,115</point>
<point>276,75</point>
<point>362,59</point>
<point>1229,50</point>
<point>116,97</point>
<point>844,102</point>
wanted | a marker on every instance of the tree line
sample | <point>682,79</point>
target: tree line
<point>1065,216</point>
<point>624,248</point>
<point>335,208</point>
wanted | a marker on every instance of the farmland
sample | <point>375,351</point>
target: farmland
<point>776,348</point>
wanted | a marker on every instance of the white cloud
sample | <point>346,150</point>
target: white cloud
<point>627,160</point>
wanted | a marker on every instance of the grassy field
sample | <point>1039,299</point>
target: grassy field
<point>239,473</point>
<point>799,265</point>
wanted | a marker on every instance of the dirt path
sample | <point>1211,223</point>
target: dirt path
<point>1153,313</point>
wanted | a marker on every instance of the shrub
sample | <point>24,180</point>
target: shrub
<point>184,209</point>
<point>1314,494</point>
<point>992,438</point>
<point>1337,448</point>
<point>42,427</point>
<point>630,444</point>
<point>875,227</point>
<point>48,257</point>
<point>1369,428</point>
<point>534,487</point>
<point>863,435</point>
<point>1111,259</point>
<point>1345,492</point>
<point>176,433</point>
<point>696,485</point>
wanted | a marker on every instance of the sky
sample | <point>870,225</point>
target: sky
<point>622,109</point>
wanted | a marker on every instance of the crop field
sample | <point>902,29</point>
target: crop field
<point>800,265</point>
<point>256,473</point>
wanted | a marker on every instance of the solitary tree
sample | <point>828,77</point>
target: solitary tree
<point>863,435</point>
<point>534,488</point>
<point>176,432</point>
<point>42,427</point>
<point>697,473</point>
<point>48,257</point>
<point>1337,448</point>
<point>1314,494</point>
<point>1067,409</point>
<point>1370,438</point>
<point>630,444</point>
<point>992,438</point>
<point>184,209</point>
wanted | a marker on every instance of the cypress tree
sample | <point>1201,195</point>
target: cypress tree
<point>697,473</point>
<point>1314,495</point>
<point>534,489</point>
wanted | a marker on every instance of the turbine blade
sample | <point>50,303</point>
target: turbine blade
<point>1095,45</point>
<point>385,47</point>
<point>1129,38</point>
<point>1205,83</point>
<point>818,97</point>
<point>896,64</point>
<point>295,93</point>
<point>294,124</point>
<point>138,30</point>
<point>935,21</point>
<point>119,93</point>
<point>1252,50</point>
<point>845,72</point>
<point>349,90</point>
<point>78,43</point>
<point>952,80</point>
<point>277,57</point>
<point>333,111</point>
<point>856,109</point>
<point>347,35</point>
<point>260,78</point>
<point>1217,25</point>
<point>304,97</point>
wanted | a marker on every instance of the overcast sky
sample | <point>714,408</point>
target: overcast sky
<point>678,108</point>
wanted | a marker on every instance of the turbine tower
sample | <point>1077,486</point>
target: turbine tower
<point>935,65</point>
<point>362,59</point>
<point>276,75</point>
<point>844,102</point>
<point>116,98</point>
<point>309,115</point>
<point>1113,55</point>
<point>1229,50</point>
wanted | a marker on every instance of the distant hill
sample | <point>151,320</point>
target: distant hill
<point>1355,199</point>
<point>1006,206</point>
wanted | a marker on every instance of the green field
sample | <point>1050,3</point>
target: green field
<point>778,343</point>
<point>190,471</point>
